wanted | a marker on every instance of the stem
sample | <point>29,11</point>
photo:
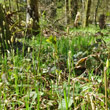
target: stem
<point>105,78</point>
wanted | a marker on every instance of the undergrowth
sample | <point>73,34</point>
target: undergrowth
<point>65,73</point>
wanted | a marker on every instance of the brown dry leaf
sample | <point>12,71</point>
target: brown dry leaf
<point>82,60</point>
<point>84,79</point>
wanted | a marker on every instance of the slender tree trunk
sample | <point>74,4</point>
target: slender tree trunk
<point>66,11</point>
<point>96,10</point>
<point>107,5</point>
<point>102,24</point>
<point>33,15</point>
<point>10,5</point>
<point>5,35</point>
<point>53,12</point>
<point>17,9</point>
<point>82,12</point>
<point>87,12</point>
<point>73,8</point>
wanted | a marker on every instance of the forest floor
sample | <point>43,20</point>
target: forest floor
<point>67,72</point>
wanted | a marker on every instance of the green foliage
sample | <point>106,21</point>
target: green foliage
<point>1,1</point>
<point>56,69</point>
<point>52,40</point>
<point>58,84</point>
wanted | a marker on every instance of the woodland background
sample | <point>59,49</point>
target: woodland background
<point>54,54</point>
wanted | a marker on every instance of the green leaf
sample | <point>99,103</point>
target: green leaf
<point>62,104</point>
<point>52,40</point>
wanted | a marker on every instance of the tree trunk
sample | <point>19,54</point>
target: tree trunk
<point>10,5</point>
<point>32,16</point>
<point>73,8</point>
<point>87,12</point>
<point>66,11</point>
<point>96,10</point>
<point>102,21</point>
<point>5,35</point>
<point>53,10</point>
<point>17,9</point>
